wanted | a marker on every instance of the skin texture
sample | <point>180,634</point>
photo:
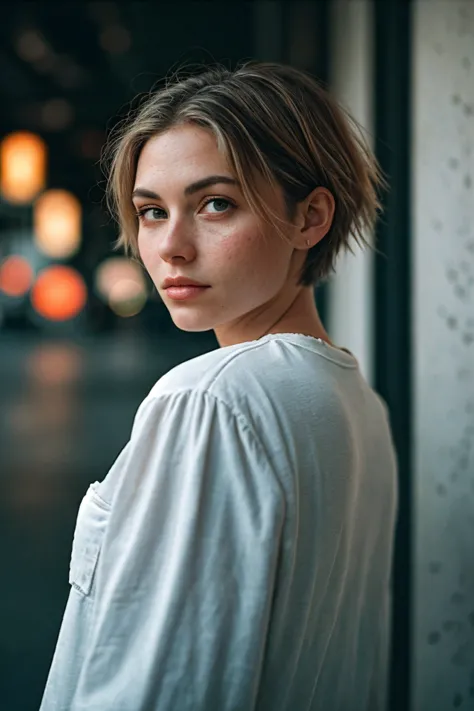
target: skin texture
<point>252,272</point>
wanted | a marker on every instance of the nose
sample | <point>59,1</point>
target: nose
<point>177,242</point>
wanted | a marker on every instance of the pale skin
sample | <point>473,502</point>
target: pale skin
<point>212,236</point>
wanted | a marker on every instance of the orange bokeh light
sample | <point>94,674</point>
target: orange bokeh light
<point>59,293</point>
<point>22,166</point>
<point>16,275</point>
<point>57,221</point>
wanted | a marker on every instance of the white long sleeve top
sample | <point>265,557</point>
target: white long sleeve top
<point>237,556</point>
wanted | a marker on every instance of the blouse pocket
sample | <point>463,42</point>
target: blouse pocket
<point>91,523</point>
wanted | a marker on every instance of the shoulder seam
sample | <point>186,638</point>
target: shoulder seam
<point>236,416</point>
<point>198,390</point>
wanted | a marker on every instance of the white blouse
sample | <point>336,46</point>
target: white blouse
<point>237,555</point>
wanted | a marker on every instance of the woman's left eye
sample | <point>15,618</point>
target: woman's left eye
<point>220,205</point>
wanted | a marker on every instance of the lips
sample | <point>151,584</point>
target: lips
<point>188,291</point>
<point>181,281</point>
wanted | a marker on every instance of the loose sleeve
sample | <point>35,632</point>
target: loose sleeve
<point>184,583</point>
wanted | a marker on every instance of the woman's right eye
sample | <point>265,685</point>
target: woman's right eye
<point>151,214</point>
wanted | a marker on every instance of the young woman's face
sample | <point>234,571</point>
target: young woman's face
<point>194,223</point>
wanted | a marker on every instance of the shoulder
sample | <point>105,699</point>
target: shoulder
<point>197,386</point>
<point>228,379</point>
<point>275,367</point>
<point>219,372</point>
<point>255,379</point>
<point>189,417</point>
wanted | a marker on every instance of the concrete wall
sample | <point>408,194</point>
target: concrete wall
<point>443,317</point>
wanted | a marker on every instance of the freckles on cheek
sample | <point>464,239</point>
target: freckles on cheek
<point>223,252</point>
<point>229,253</point>
<point>239,247</point>
<point>240,263</point>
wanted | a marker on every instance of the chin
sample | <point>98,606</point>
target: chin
<point>191,324</point>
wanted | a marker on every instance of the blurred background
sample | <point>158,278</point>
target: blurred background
<point>83,337</point>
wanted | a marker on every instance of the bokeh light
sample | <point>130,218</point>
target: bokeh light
<point>55,364</point>
<point>57,114</point>
<point>22,166</point>
<point>127,298</point>
<point>121,283</point>
<point>59,293</point>
<point>16,276</point>
<point>115,39</point>
<point>57,223</point>
<point>31,46</point>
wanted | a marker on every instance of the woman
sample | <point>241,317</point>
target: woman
<point>237,555</point>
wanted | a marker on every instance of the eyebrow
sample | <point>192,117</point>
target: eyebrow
<point>190,189</point>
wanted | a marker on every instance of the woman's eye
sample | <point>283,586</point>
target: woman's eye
<point>214,206</point>
<point>151,214</point>
<point>219,205</point>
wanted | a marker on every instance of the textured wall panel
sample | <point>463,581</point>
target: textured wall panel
<point>443,291</point>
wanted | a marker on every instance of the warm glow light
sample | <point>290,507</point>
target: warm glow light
<point>57,223</point>
<point>127,298</point>
<point>121,283</point>
<point>22,166</point>
<point>16,275</point>
<point>114,270</point>
<point>54,364</point>
<point>59,293</point>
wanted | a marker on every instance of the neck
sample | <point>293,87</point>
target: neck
<point>299,316</point>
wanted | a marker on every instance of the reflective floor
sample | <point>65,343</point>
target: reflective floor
<point>66,411</point>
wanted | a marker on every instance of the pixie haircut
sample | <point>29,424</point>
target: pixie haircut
<point>271,121</point>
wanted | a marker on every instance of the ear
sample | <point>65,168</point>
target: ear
<point>314,218</point>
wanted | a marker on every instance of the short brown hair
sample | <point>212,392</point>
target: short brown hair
<point>269,119</point>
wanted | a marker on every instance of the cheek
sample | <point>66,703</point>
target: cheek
<point>241,246</point>
<point>238,260</point>
<point>255,253</point>
<point>144,249</point>
<point>255,267</point>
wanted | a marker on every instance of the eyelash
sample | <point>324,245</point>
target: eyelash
<point>143,210</point>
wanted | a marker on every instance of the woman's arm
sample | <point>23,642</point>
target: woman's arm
<point>183,587</point>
